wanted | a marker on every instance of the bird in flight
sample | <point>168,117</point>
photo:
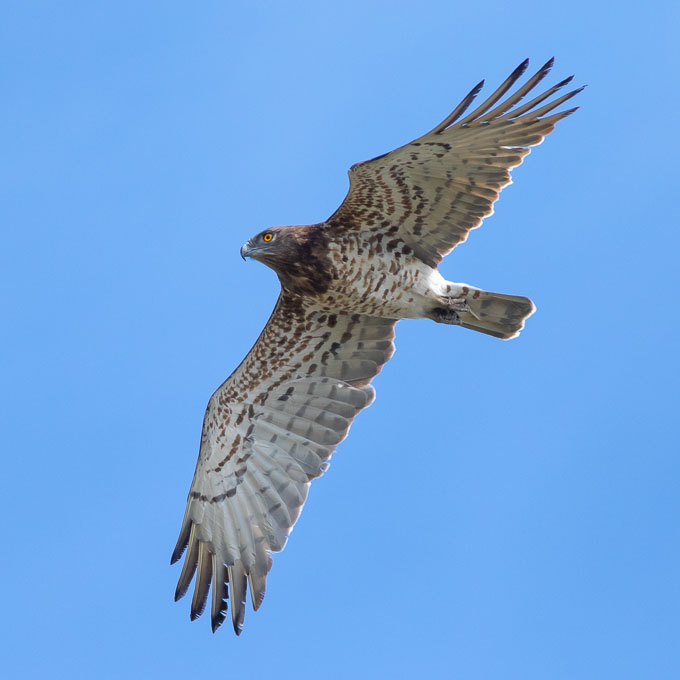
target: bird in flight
<point>271,427</point>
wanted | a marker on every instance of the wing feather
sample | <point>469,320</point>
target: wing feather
<point>190,563</point>
<point>268,431</point>
<point>218,607</point>
<point>203,577</point>
<point>432,192</point>
<point>238,581</point>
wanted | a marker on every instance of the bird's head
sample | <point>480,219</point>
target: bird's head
<point>267,246</point>
<point>297,254</point>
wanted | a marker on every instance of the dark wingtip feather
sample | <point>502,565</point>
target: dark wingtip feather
<point>237,620</point>
<point>238,584</point>
<point>546,68</point>
<point>188,569</point>
<point>562,83</point>
<point>476,89</point>
<point>568,112</point>
<point>203,578</point>
<point>458,111</point>
<point>182,541</point>
<point>220,594</point>
<point>198,607</point>
<point>470,96</point>
<point>520,69</point>
<point>218,619</point>
<point>177,554</point>
<point>573,93</point>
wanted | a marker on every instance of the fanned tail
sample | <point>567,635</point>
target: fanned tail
<point>496,314</point>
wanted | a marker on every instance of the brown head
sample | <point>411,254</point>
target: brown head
<point>298,255</point>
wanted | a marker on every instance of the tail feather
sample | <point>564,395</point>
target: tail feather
<point>502,316</point>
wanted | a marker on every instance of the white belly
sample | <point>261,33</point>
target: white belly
<point>389,287</point>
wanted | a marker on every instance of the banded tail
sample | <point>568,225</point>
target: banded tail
<point>496,314</point>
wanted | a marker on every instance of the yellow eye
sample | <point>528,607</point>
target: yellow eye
<point>267,237</point>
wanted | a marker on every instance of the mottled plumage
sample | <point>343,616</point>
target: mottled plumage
<point>272,426</point>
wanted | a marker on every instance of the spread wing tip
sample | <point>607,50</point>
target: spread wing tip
<point>483,113</point>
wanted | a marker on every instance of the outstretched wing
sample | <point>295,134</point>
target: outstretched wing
<point>268,431</point>
<point>432,192</point>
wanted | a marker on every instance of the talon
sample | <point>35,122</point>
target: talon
<point>469,311</point>
<point>445,315</point>
<point>459,304</point>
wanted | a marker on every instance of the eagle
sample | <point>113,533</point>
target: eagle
<point>271,427</point>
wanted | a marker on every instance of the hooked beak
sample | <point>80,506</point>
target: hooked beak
<point>245,250</point>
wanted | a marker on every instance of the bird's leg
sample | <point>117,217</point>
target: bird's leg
<point>451,309</point>
<point>460,304</point>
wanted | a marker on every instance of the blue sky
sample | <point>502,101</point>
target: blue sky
<point>504,510</point>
